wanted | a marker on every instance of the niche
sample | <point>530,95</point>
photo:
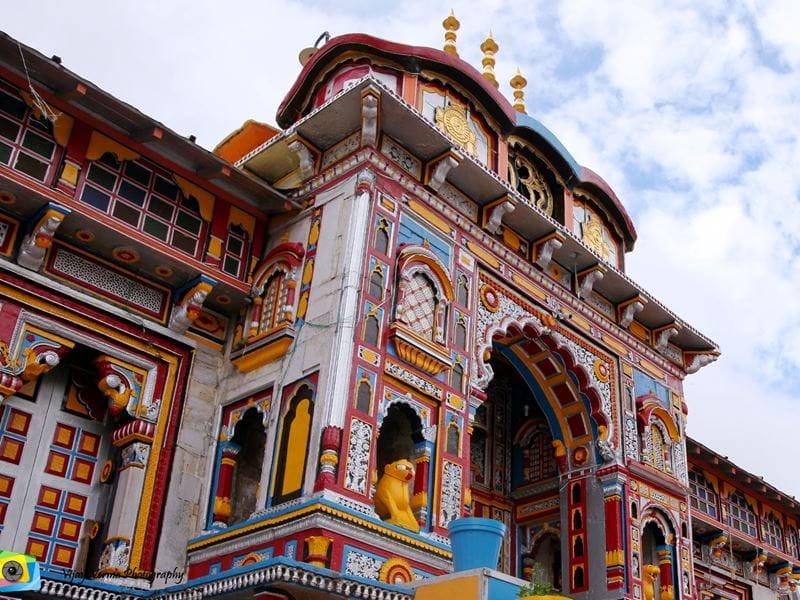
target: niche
<point>250,436</point>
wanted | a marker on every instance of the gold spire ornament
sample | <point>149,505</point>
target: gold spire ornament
<point>518,82</point>
<point>451,25</point>
<point>489,48</point>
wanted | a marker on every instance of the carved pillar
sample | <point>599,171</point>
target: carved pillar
<point>665,566</point>
<point>317,547</point>
<point>329,457</point>
<point>134,440</point>
<point>222,498</point>
<point>615,552</point>
<point>420,498</point>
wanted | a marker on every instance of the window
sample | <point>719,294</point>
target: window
<point>462,290</point>
<point>146,199</point>
<point>364,396</point>
<point>271,306</point>
<point>371,330</point>
<point>461,333</point>
<point>26,142</point>
<point>457,379</point>
<point>376,283</point>
<point>382,236</point>
<point>539,457</point>
<point>791,542</point>
<point>703,497</point>
<point>741,516</point>
<point>419,307</point>
<point>236,251</point>
<point>452,439</point>
<point>773,532</point>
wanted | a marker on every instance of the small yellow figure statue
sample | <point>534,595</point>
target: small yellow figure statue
<point>651,573</point>
<point>393,495</point>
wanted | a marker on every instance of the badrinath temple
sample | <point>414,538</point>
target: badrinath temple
<point>304,365</point>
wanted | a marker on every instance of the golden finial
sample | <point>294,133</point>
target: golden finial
<point>451,25</point>
<point>489,49</point>
<point>518,82</point>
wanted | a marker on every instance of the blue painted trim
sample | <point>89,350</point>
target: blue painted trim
<point>528,122</point>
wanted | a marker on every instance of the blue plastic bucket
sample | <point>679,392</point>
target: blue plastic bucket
<point>475,542</point>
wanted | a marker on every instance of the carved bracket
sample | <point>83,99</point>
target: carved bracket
<point>370,109</point>
<point>587,279</point>
<point>494,216</point>
<point>188,308</point>
<point>662,335</point>
<point>305,157</point>
<point>123,384</point>
<point>439,168</point>
<point>544,248</point>
<point>33,353</point>
<point>694,361</point>
<point>627,310</point>
<point>35,244</point>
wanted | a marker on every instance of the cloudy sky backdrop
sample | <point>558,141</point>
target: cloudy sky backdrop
<point>690,110</point>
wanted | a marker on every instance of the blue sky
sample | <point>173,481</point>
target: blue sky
<point>690,110</point>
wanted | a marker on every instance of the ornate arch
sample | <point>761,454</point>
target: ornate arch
<point>501,315</point>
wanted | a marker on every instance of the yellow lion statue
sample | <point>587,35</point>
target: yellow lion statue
<point>651,573</point>
<point>393,495</point>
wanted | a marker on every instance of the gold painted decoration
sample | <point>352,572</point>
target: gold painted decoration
<point>601,370</point>
<point>518,83</point>
<point>100,144</point>
<point>529,182</point>
<point>453,121</point>
<point>489,48</point>
<point>593,237</point>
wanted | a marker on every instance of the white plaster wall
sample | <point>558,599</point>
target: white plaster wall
<point>185,502</point>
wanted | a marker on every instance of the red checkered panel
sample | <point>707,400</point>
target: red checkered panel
<point>419,306</point>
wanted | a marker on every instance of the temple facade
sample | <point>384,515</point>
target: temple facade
<point>281,369</point>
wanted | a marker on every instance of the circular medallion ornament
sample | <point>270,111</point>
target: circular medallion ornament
<point>126,255</point>
<point>108,469</point>
<point>580,455</point>
<point>85,236</point>
<point>7,198</point>
<point>163,271</point>
<point>490,299</point>
<point>396,571</point>
<point>601,370</point>
<point>222,299</point>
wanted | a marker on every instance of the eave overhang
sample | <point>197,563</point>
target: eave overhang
<point>79,96</point>
<point>341,116</point>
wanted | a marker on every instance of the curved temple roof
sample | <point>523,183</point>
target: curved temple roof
<point>415,59</point>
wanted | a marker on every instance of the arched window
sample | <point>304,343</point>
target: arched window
<point>658,452</point>
<point>453,439</point>
<point>271,305</point>
<point>250,437</point>
<point>364,396</point>
<point>376,283</point>
<point>419,307</point>
<point>741,515</point>
<point>457,379</point>
<point>293,449</point>
<point>703,497</point>
<point>461,333</point>
<point>791,542</point>
<point>371,330</point>
<point>462,290</point>
<point>382,236</point>
<point>773,532</point>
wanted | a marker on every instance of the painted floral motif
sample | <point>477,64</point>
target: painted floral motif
<point>358,456</point>
<point>451,492</point>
